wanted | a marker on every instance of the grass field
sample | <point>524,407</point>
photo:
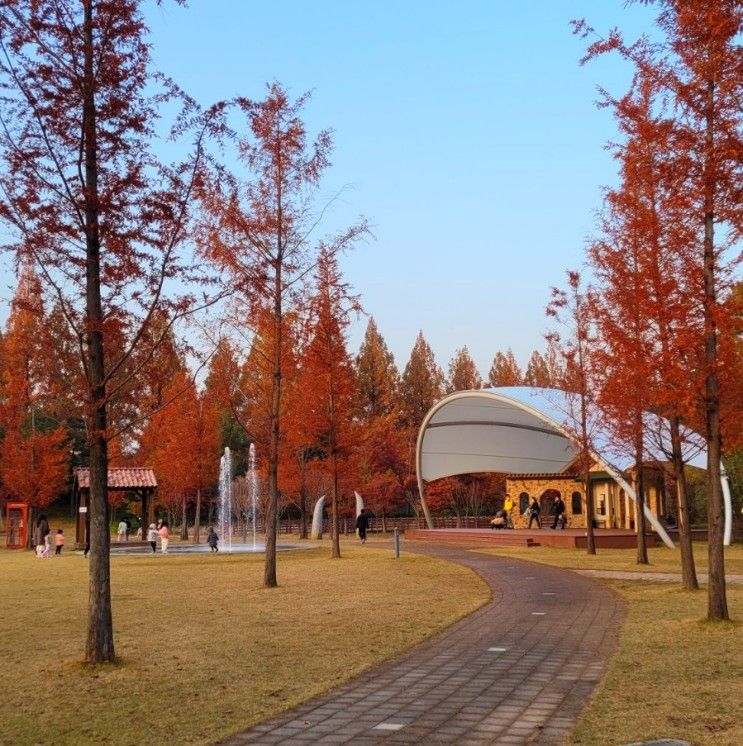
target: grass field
<point>204,650</point>
<point>662,559</point>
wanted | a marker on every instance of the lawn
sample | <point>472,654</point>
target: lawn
<point>673,674</point>
<point>662,559</point>
<point>204,650</point>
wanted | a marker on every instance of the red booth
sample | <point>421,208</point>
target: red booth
<point>16,525</point>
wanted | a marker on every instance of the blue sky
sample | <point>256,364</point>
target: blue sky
<point>466,132</point>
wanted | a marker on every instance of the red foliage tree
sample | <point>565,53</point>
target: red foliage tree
<point>326,366</point>
<point>463,374</point>
<point>34,452</point>
<point>100,216</point>
<point>505,370</point>
<point>572,308</point>
<point>695,71</point>
<point>260,230</point>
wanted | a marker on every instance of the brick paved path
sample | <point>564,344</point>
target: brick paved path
<point>517,671</point>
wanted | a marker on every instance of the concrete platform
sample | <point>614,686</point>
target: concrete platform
<point>522,537</point>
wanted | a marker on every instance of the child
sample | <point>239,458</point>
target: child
<point>152,537</point>
<point>47,546</point>
<point>164,535</point>
<point>212,539</point>
<point>59,541</point>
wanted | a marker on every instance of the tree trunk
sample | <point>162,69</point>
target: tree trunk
<point>197,518</point>
<point>688,570</point>
<point>184,520</point>
<point>717,607</point>
<point>303,512</point>
<point>99,645</point>
<point>336,550</point>
<point>642,548</point>
<point>269,572</point>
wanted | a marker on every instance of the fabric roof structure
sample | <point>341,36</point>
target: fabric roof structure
<point>523,430</point>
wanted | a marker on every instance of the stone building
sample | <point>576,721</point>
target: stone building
<point>613,508</point>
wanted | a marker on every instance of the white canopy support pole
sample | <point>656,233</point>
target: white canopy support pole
<point>424,502</point>
<point>728,503</point>
<point>654,522</point>
<point>419,465</point>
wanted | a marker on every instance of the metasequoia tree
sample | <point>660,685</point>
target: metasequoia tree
<point>538,372</point>
<point>505,370</point>
<point>421,385</point>
<point>327,367</point>
<point>382,446</point>
<point>571,308</point>
<point>33,454</point>
<point>622,361</point>
<point>642,309</point>
<point>260,229</point>
<point>88,202</point>
<point>377,376</point>
<point>696,69</point>
<point>463,373</point>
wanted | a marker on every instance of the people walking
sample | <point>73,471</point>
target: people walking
<point>534,511</point>
<point>508,507</point>
<point>58,541</point>
<point>121,531</point>
<point>558,508</point>
<point>152,537</point>
<point>164,535</point>
<point>212,539</point>
<point>362,524</point>
<point>40,533</point>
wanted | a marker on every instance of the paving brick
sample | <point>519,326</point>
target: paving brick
<point>452,690</point>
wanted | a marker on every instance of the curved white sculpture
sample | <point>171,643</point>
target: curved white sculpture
<point>316,532</point>
<point>359,503</point>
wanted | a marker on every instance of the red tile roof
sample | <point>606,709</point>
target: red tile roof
<point>120,477</point>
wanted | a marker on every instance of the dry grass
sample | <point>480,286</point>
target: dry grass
<point>204,650</point>
<point>673,675</point>
<point>662,559</point>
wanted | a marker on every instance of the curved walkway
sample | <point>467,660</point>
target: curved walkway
<point>517,671</point>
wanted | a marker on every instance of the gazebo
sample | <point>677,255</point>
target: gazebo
<point>138,481</point>
<point>522,430</point>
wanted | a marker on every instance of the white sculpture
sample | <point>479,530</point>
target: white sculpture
<point>316,532</point>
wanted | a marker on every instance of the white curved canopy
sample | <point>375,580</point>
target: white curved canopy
<point>525,430</point>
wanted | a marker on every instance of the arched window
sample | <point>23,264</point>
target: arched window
<point>547,500</point>
<point>523,502</point>
<point>577,503</point>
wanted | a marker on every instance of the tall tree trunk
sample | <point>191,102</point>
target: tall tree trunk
<point>303,510</point>
<point>99,645</point>
<point>642,548</point>
<point>269,573</point>
<point>335,533</point>
<point>197,518</point>
<point>184,520</point>
<point>688,570</point>
<point>717,607</point>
